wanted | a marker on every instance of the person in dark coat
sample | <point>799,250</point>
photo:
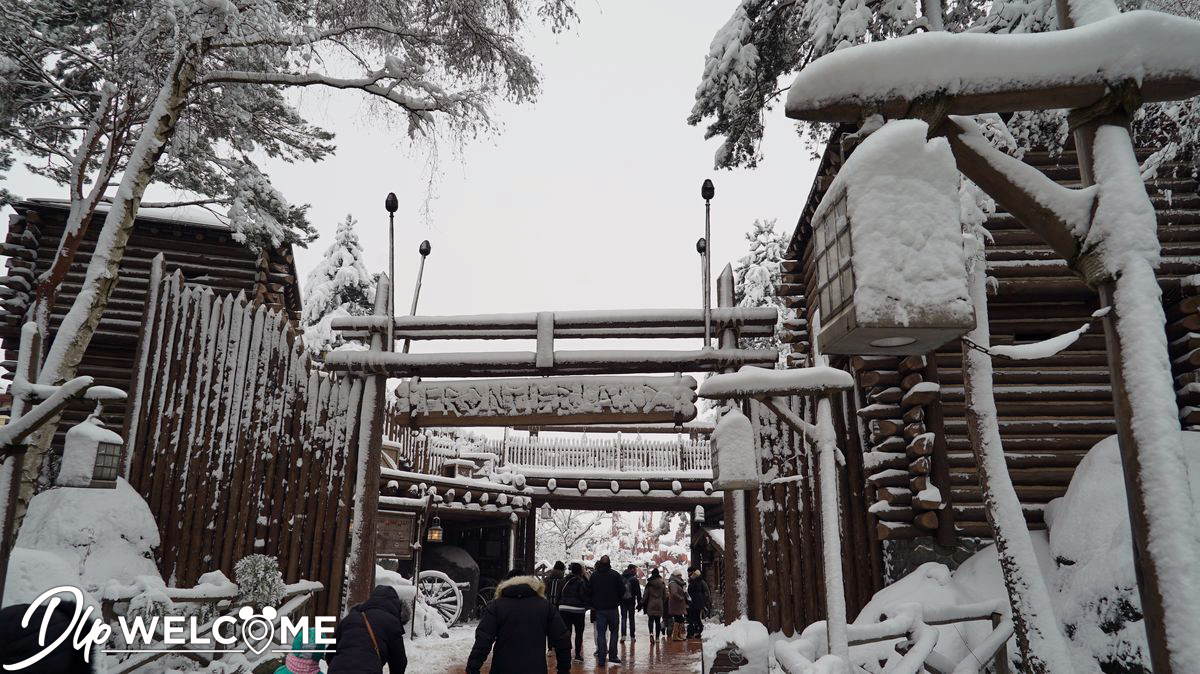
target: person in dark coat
<point>371,636</point>
<point>654,603</point>
<point>573,605</point>
<point>605,589</point>
<point>517,624</point>
<point>554,583</point>
<point>698,600</point>
<point>18,644</point>
<point>631,602</point>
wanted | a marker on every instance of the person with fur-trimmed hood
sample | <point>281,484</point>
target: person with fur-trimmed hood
<point>518,624</point>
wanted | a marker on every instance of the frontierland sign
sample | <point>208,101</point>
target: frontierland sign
<point>545,400</point>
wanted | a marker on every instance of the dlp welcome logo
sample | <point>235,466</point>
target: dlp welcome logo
<point>248,631</point>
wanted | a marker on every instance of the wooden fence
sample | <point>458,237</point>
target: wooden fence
<point>617,454</point>
<point>238,444</point>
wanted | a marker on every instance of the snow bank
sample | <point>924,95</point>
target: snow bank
<point>735,464</point>
<point>1133,45</point>
<point>903,205</point>
<point>107,536</point>
<point>32,572</point>
<point>751,638</point>
<point>1098,601</point>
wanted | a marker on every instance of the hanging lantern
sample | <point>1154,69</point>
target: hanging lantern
<point>547,513</point>
<point>890,271</point>
<point>435,534</point>
<point>91,456</point>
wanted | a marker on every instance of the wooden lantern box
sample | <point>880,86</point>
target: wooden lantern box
<point>890,274</point>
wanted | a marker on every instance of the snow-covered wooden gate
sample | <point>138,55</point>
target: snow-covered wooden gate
<point>238,443</point>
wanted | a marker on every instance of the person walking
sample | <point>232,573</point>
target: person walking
<point>631,602</point>
<point>554,581</point>
<point>605,589</point>
<point>654,604</point>
<point>698,601</point>
<point>573,605</point>
<point>514,629</point>
<point>371,636</point>
<point>677,604</point>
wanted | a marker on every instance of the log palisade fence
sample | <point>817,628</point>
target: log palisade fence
<point>237,442</point>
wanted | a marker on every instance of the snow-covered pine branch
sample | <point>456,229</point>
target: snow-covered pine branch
<point>338,286</point>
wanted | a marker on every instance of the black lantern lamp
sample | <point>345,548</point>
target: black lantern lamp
<point>391,203</point>
<point>707,190</point>
<point>425,248</point>
<point>701,245</point>
<point>435,534</point>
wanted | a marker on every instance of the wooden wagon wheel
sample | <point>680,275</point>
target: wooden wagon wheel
<point>441,594</point>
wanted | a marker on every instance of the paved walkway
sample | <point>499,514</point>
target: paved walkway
<point>643,656</point>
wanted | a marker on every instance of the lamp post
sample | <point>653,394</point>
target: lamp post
<point>425,249</point>
<point>392,204</point>
<point>702,248</point>
<point>707,191</point>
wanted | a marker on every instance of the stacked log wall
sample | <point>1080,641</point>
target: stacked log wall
<point>1051,411</point>
<point>205,254</point>
<point>236,441</point>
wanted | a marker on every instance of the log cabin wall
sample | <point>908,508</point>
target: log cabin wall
<point>910,430</point>
<point>204,252</point>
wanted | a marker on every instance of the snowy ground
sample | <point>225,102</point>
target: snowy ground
<point>435,654</point>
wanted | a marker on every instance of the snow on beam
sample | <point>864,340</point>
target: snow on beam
<point>1003,73</point>
<point>758,382</point>
<point>739,317</point>
<point>524,363</point>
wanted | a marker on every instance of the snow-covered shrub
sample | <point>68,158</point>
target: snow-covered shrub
<point>260,583</point>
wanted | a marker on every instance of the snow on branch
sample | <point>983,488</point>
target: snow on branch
<point>1064,68</point>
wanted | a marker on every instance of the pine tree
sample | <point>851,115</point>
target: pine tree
<point>338,286</point>
<point>757,276</point>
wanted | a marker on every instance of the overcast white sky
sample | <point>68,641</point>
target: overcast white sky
<point>587,199</point>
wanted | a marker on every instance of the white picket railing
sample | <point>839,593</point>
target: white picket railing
<point>621,453</point>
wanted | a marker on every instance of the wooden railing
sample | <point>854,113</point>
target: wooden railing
<point>916,625</point>
<point>617,454</point>
<point>427,452</point>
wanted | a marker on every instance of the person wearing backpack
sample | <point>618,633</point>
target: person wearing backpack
<point>371,635</point>
<point>573,605</point>
<point>631,602</point>
<point>514,628</point>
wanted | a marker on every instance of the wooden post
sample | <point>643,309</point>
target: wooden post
<point>530,540</point>
<point>831,535</point>
<point>1146,565</point>
<point>940,468</point>
<point>737,562</point>
<point>365,509</point>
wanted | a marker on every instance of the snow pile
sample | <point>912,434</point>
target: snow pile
<point>903,206</point>
<point>749,637</point>
<point>1133,45</point>
<point>735,463</point>
<point>751,381</point>
<point>32,572</point>
<point>426,621</point>
<point>79,451</point>
<point>1098,603</point>
<point>107,536</point>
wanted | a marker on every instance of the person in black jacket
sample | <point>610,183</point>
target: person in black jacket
<point>18,644</point>
<point>605,589</point>
<point>518,623</point>
<point>631,602</point>
<point>699,599</point>
<point>371,635</point>
<point>573,605</point>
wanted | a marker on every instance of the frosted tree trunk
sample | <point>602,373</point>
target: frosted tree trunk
<point>78,326</point>
<point>1043,648</point>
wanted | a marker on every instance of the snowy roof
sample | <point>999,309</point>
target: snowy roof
<point>193,216</point>
<point>752,381</point>
<point>1059,69</point>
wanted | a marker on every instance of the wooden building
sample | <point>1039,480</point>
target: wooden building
<point>1051,411</point>
<point>192,241</point>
